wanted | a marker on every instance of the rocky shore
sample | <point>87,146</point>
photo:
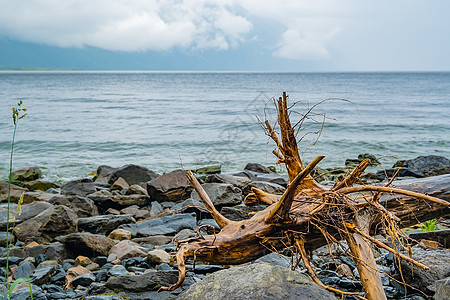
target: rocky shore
<point>111,237</point>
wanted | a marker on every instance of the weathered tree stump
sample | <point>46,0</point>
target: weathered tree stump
<point>308,216</point>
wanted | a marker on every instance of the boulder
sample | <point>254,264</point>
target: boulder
<point>28,211</point>
<point>126,249</point>
<point>54,251</point>
<point>237,181</point>
<point>268,187</point>
<point>214,169</point>
<point>83,207</point>
<point>102,173</point>
<point>40,185</point>
<point>425,166</point>
<point>221,194</point>
<point>103,224</point>
<point>80,187</point>
<point>255,167</point>
<point>47,225</point>
<point>106,200</point>
<point>436,260</point>
<point>145,282</point>
<point>26,174</point>
<point>87,244</point>
<point>256,281</point>
<point>15,193</point>
<point>162,226</point>
<point>133,174</point>
<point>30,197</point>
<point>173,186</point>
<point>442,289</point>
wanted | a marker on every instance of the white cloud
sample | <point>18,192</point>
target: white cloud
<point>125,25</point>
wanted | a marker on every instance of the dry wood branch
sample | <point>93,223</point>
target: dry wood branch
<point>314,214</point>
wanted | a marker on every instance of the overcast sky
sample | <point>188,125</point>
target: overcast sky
<point>349,34</point>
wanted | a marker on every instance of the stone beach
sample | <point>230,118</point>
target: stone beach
<point>111,237</point>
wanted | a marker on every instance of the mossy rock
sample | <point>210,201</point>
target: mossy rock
<point>39,185</point>
<point>26,174</point>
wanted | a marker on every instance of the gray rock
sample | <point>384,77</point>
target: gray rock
<point>103,224</point>
<point>211,224</point>
<point>126,249</point>
<point>158,256</point>
<point>255,167</point>
<point>82,206</point>
<point>268,187</point>
<point>87,244</point>
<point>145,282</point>
<point>53,251</point>
<point>49,224</point>
<point>39,185</point>
<point>30,197</point>
<point>42,275</point>
<point>354,162</point>
<point>28,211</point>
<point>236,213</point>
<point>221,194</point>
<point>103,172</point>
<point>136,189</point>
<point>237,181</point>
<point>26,174</point>
<point>15,193</point>
<point>431,165</point>
<point>133,174</point>
<point>118,270</point>
<point>106,200</point>
<point>256,281</point>
<point>213,169</point>
<point>185,234</point>
<point>162,226</point>
<point>83,280</point>
<point>442,289</point>
<point>156,209</point>
<point>192,205</point>
<point>105,297</point>
<point>436,260</point>
<point>24,293</point>
<point>24,270</point>
<point>173,186</point>
<point>80,187</point>
<point>11,239</point>
<point>441,236</point>
<point>275,259</point>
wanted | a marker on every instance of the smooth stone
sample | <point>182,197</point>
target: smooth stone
<point>118,270</point>
<point>158,256</point>
<point>24,270</point>
<point>103,224</point>
<point>237,181</point>
<point>256,281</point>
<point>126,249</point>
<point>81,187</point>
<point>221,194</point>
<point>275,259</point>
<point>162,226</point>
<point>120,235</point>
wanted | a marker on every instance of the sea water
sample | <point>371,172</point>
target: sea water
<point>78,120</point>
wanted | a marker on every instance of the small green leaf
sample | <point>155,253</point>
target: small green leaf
<point>16,282</point>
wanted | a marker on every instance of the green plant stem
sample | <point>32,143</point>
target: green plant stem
<point>8,209</point>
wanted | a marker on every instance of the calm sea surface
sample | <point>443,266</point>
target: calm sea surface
<point>161,120</point>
